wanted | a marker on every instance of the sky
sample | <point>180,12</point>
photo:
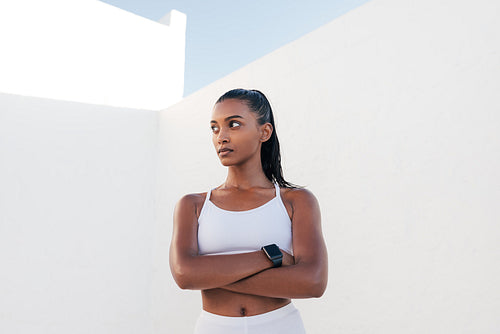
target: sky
<point>223,35</point>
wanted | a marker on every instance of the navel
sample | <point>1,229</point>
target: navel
<point>243,311</point>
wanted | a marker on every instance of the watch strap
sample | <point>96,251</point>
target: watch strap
<point>274,254</point>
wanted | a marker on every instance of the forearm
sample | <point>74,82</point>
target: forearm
<point>200,272</point>
<point>296,281</point>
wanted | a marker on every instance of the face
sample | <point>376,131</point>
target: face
<point>236,134</point>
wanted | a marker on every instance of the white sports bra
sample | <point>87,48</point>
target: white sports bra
<point>230,232</point>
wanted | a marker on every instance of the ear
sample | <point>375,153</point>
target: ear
<point>266,132</point>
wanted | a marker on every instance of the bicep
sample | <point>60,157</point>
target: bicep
<point>308,242</point>
<point>185,230</point>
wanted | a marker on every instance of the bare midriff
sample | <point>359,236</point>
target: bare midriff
<point>235,304</point>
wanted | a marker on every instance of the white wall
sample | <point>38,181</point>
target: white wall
<point>92,52</point>
<point>390,115</point>
<point>76,217</point>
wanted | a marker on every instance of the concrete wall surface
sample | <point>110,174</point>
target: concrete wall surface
<point>92,52</point>
<point>76,217</point>
<point>390,115</point>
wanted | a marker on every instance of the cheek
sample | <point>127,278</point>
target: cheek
<point>250,143</point>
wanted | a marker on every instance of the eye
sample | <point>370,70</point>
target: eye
<point>214,128</point>
<point>236,123</point>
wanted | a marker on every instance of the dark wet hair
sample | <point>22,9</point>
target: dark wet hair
<point>270,150</point>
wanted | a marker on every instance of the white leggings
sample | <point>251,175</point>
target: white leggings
<point>286,319</point>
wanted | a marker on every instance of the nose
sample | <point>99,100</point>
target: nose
<point>223,136</point>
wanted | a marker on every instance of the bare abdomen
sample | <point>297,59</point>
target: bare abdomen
<point>234,304</point>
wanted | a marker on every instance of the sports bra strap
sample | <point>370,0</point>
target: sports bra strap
<point>277,190</point>
<point>208,196</point>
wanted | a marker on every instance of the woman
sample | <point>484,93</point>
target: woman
<point>235,242</point>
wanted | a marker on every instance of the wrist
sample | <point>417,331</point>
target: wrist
<point>274,254</point>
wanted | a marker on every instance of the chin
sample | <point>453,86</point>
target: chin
<point>226,162</point>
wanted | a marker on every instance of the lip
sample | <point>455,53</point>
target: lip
<point>224,151</point>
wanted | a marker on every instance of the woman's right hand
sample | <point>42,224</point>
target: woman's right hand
<point>288,259</point>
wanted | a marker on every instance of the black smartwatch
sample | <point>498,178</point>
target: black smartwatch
<point>274,254</point>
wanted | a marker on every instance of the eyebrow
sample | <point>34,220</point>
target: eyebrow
<point>228,118</point>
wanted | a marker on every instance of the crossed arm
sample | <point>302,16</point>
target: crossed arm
<point>304,276</point>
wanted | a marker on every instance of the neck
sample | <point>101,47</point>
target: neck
<point>246,176</point>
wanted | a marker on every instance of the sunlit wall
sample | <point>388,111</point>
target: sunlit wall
<point>92,52</point>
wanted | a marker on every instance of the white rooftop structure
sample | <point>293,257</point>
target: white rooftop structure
<point>92,52</point>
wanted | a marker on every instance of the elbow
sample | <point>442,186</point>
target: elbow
<point>312,282</point>
<point>182,282</point>
<point>318,283</point>
<point>181,276</point>
<point>318,289</point>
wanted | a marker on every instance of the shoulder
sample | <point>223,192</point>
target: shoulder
<point>191,202</point>
<point>191,199</point>
<point>300,200</point>
<point>298,195</point>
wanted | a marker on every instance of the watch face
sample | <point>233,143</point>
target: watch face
<point>273,251</point>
